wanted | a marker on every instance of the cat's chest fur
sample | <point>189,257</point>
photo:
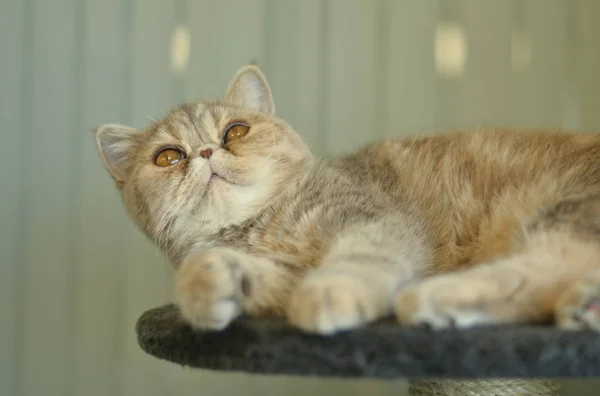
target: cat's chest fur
<point>300,226</point>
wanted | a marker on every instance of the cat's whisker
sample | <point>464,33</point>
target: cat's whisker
<point>148,118</point>
<point>272,145</point>
<point>159,259</point>
<point>265,171</point>
<point>195,217</point>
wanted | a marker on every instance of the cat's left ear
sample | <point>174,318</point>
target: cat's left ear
<point>249,88</point>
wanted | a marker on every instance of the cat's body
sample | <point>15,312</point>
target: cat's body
<point>472,190</point>
<point>507,221</point>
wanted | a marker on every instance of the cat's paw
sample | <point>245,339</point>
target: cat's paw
<point>578,308</point>
<point>424,303</point>
<point>326,304</point>
<point>209,288</point>
<point>460,300</point>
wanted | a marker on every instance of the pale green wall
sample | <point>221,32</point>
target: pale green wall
<point>75,274</point>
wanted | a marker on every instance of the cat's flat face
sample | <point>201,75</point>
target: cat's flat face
<point>205,165</point>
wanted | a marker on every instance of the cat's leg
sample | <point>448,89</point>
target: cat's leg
<point>356,282</point>
<point>215,286</point>
<point>554,275</point>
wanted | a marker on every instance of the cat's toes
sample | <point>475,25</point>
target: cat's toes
<point>578,308</point>
<point>328,304</point>
<point>208,289</point>
<point>413,307</point>
<point>443,302</point>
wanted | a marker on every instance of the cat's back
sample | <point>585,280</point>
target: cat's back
<point>472,185</point>
<point>486,159</point>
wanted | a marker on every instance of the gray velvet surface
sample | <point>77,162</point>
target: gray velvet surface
<point>380,350</point>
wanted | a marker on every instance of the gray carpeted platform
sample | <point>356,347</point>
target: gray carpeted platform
<point>381,350</point>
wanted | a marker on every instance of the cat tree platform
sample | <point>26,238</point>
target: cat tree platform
<point>502,359</point>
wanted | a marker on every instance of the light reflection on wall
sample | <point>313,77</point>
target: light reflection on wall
<point>180,49</point>
<point>520,50</point>
<point>450,50</point>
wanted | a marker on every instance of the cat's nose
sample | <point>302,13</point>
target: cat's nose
<point>206,153</point>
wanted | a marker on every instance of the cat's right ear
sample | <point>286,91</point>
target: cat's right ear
<point>117,145</point>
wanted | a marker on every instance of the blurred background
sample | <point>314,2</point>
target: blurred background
<point>75,274</point>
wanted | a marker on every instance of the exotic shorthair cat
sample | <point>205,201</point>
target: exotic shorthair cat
<point>456,229</point>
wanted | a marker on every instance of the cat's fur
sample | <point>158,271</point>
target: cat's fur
<point>460,228</point>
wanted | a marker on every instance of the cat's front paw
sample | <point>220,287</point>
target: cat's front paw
<point>479,296</point>
<point>209,288</point>
<point>326,304</point>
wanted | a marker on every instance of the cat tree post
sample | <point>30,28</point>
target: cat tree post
<point>491,361</point>
<point>490,387</point>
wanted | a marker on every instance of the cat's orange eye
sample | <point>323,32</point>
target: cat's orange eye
<point>235,131</point>
<point>168,156</point>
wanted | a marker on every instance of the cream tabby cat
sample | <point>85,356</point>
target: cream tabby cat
<point>452,230</point>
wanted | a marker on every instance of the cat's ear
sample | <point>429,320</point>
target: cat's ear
<point>117,145</point>
<point>249,88</point>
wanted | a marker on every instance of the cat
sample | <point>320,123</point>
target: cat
<point>452,229</point>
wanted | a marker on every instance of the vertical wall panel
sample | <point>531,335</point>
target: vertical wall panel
<point>147,276</point>
<point>585,55</point>
<point>450,89</point>
<point>479,94</point>
<point>226,35</point>
<point>538,99</point>
<point>310,85</point>
<point>408,85</point>
<point>294,46</point>
<point>488,69</point>
<point>101,258</point>
<point>351,74</point>
<point>14,45</point>
<point>45,364</point>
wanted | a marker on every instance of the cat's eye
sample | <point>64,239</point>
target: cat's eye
<point>168,156</point>
<point>235,131</point>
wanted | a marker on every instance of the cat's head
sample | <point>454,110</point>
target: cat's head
<point>206,165</point>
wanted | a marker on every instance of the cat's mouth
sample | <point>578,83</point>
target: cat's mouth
<point>212,180</point>
<point>230,179</point>
<point>215,178</point>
